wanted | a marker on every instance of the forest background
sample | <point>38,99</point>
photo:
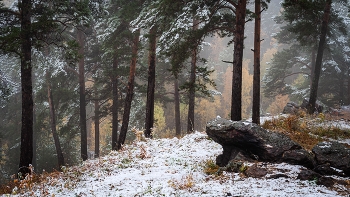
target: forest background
<point>57,91</point>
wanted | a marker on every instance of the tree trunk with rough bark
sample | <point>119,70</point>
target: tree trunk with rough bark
<point>192,90</point>
<point>256,76</point>
<point>149,122</point>
<point>60,158</point>
<point>82,105</point>
<point>130,91</point>
<point>177,107</point>
<point>236,102</point>
<point>318,65</point>
<point>35,135</point>
<point>26,149</point>
<point>97,127</point>
<point>348,78</point>
<point>115,106</point>
<point>313,62</point>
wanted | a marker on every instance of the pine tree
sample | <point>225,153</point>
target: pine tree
<point>23,28</point>
<point>256,77</point>
<point>149,122</point>
<point>301,31</point>
<point>318,63</point>
<point>59,152</point>
<point>130,90</point>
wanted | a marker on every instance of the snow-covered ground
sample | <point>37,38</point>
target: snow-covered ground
<point>171,167</point>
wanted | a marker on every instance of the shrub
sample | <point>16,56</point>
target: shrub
<point>210,167</point>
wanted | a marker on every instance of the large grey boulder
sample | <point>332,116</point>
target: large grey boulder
<point>333,155</point>
<point>248,141</point>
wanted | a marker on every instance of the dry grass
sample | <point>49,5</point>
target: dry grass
<point>305,129</point>
<point>16,186</point>
<point>8,187</point>
<point>210,167</point>
<point>186,183</point>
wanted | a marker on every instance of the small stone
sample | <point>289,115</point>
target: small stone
<point>256,172</point>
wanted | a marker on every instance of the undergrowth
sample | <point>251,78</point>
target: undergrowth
<point>210,167</point>
<point>20,183</point>
<point>186,183</point>
<point>307,130</point>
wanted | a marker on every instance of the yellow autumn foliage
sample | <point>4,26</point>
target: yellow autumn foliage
<point>276,107</point>
<point>247,88</point>
<point>159,118</point>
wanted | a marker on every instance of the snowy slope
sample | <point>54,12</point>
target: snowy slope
<point>170,167</point>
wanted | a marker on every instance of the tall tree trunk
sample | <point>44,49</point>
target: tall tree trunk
<point>130,91</point>
<point>35,131</point>
<point>35,135</point>
<point>26,155</point>
<point>83,129</point>
<point>97,126</point>
<point>192,82</point>
<point>256,77</point>
<point>115,106</point>
<point>341,90</point>
<point>177,107</point>
<point>236,102</point>
<point>151,82</point>
<point>59,153</point>
<point>348,78</point>
<point>313,62</point>
<point>318,65</point>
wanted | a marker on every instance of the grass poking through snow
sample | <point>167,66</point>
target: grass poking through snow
<point>307,130</point>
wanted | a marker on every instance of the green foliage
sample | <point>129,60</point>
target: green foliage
<point>50,19</point>
<point>10,130</point>
<point>4,88</point>
<point>286,65</point>
<point>202,81</point>
<point>71,52</point>
<point>300,31</point>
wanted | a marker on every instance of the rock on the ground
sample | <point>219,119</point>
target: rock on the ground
<point>332,154</point>
<point>256,172</point>
<point>290,108</point>
<point>310,175</point>
<point>248,141</point>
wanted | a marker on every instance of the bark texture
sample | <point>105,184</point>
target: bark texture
<point>26,149</point>
<point>318,65</point>
<point>97,128</point>
<point>256,76</point>
<point>192,82</point>
<point>130,91</point>
<point>177,107</point>
<point>115,104</point>
<point>60,158</point>
<point>83,129</point>
<point>236,102</point>
<point>149,123</point>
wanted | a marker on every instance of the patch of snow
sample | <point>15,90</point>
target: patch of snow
<point>171,167</point>
<point>326,145</point>
<point>269,146</point>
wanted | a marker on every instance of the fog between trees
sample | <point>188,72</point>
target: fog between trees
<point>109,45</point>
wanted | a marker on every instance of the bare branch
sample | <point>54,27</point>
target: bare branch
<point>232,3</point>
<point>227,62</point>
<point>68,68</point>
<point>291,74</point>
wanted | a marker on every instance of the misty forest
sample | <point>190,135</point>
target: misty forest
<point>78,77</point>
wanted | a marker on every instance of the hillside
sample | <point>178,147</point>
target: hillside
<point>170,167</point>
